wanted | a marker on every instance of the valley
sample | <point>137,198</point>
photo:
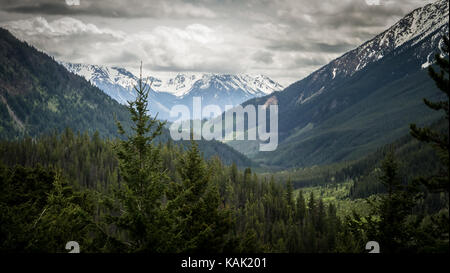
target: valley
<point>360,145</point>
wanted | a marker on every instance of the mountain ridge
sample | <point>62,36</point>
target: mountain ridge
<point>370,50</point>
<point>213,88</point>
<point>324,117</point>
<point>38,95</point>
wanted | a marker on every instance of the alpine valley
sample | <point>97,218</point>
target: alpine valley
<point>362,157</point>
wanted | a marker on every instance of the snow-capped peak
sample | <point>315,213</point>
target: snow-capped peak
<point>100,73</point>
<point>179,84</point>
<point>182,84</point>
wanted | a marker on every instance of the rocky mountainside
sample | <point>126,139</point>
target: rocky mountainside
<point>424,25</point>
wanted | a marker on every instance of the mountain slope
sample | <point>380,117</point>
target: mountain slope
<point>219,89</point>
<point>420,26</point>
<point>37,95</point>
<point>362,100</point>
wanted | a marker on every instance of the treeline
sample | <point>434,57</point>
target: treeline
<point>67,187</point>
<point>83,171</point>
<point>90,160</point>
<point>207,206</point>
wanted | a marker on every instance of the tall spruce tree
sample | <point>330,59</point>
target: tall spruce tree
<point>143,217</point>
<point>393,209</point>
<point>66,217</point>
<point>290,195</point>
<point>432,234</point>
<point>439,140</point>
<point>301,208</point>
<point>203,223</point>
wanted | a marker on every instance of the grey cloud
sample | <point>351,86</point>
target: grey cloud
<point>311,61</point>
<point>362,15</point>
<point>309,46</point>
<point>264,57</point>
<point>280,38</point>
<point>334,48</point>
<point>42,8</point>
<point>125,57</point>
<point>111,8</point>
<point>213,68</point>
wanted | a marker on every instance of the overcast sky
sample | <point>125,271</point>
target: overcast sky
<point>283,39</point>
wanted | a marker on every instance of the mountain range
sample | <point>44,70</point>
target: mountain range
<point>218,89</point>
<point>361,100</point>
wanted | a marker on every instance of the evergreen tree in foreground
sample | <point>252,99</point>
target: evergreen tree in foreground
<point>433,232</point>
<point>439,140</point>
<point>203,224</point>
<point>40,212</point>
<point>143,218</point>
<point>393,209</point>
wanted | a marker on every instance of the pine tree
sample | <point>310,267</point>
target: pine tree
<point>66,217</point>
<point>312,208</point>
<point>301,208</point>
<point>437,224</point>
<point>333,226</point>
<point>203,224</point>
<point>321,215</point>
<point>393,209</point>
<point>40,212</point>
<point>143,218</point>
<point>440,141</point>
<point>290,194</point>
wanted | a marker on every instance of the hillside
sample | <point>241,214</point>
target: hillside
<point>38,95</point>
<point>360,101</point>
